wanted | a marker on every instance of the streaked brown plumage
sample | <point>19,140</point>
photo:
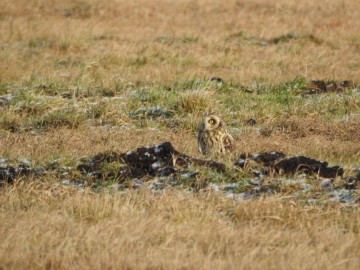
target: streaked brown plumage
<point>213,136</point>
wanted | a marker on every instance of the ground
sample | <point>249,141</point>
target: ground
<point>83,78</point>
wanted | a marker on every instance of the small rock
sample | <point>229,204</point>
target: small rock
<point>215,187</point>
<point>327,185</point>
<point>189,175</point>
<point>3,163</point>
<point>137,183</point>
<point>216,79</point>
<point>66,182</point>
<point>251,122</point>
<point>219,81</point>
<point>346,198</point>
<point>354,181</point>
<point>25,162</point>
<point>342,195</point>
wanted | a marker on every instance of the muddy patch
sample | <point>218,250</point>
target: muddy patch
<point>158,160</point>
<point>279,164</point>
<point>320,86</point>
<point>159,167</point>
<point>10,171</point>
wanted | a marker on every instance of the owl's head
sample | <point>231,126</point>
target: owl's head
<point>211,122</point>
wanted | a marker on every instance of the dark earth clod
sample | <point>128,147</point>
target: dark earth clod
<point>321,86</point>
<point>278,163</point>
<point>160,166</point>
<point>251,122</point>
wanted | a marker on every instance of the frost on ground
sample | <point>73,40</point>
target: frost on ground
<point>160,167</point>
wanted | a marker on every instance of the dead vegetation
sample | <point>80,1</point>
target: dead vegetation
<point>65,229</point>
<point>296,127</point>
<point>88,77</point>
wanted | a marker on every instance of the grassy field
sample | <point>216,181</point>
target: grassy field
<point>83,77</point>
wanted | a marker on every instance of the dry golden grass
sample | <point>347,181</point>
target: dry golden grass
<point>61,228</point>
<point>150,53</point>
<point>106,42</point>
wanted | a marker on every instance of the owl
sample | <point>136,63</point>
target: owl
<point>213,136</point>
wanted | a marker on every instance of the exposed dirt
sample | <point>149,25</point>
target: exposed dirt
<point>292,165</point>
<point>163,161</point>
<point>149,160</point>
<point>278,163</point>
<point>321,86</point>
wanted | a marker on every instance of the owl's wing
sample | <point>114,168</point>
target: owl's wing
<point>201,143</point>
<point>228,142</point>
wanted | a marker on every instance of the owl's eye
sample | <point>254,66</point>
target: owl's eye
<point>211,121</point>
